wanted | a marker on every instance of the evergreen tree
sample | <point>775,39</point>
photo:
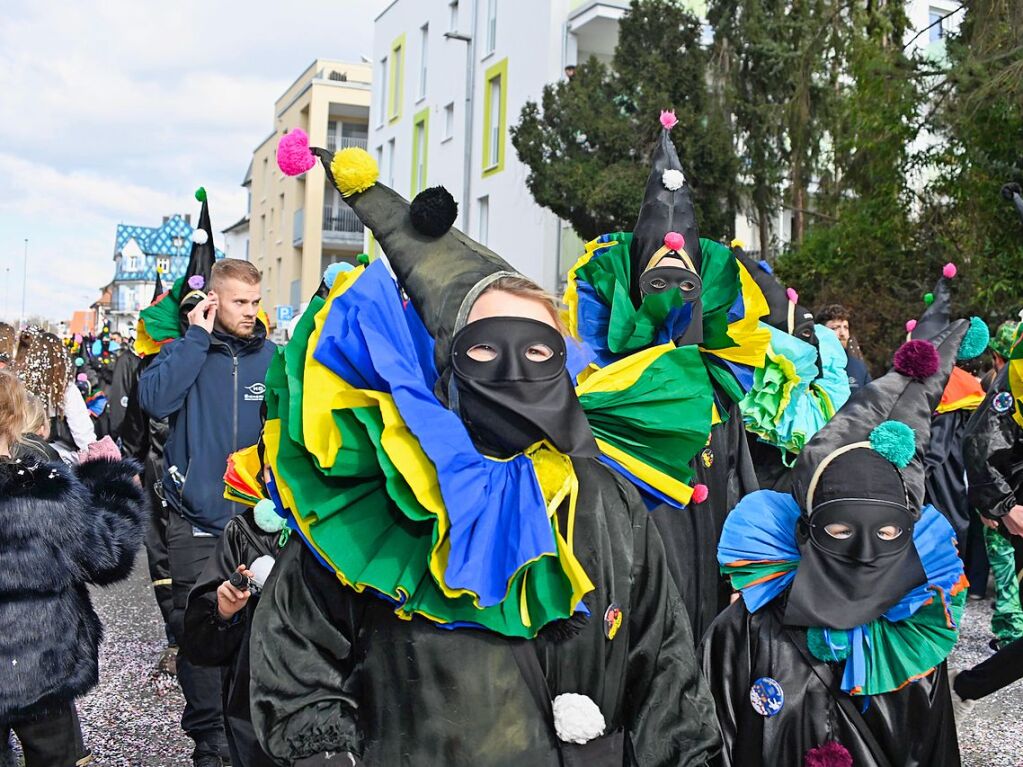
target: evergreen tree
<point>587,143</point>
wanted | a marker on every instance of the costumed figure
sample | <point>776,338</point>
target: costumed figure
<point>469,585</point>
<point>852,591</point>
<point>945,481</point>
<point>801,385</point>
<point>673,322</point>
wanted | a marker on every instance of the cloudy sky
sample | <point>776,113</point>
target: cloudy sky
<point>115,112</point>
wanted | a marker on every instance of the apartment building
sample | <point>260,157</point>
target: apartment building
<point>296,227</point>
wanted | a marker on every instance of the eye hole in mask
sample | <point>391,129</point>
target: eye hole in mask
<point>843,532</point>
<point>488,353</point>
<point>482,353</point>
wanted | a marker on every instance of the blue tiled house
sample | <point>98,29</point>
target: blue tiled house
<point>138,251</point>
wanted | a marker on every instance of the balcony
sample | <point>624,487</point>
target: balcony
<point>593,29</point>
<point>334,145</point>
<point>341,227</point>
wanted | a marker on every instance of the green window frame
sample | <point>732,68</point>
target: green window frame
<point>420,121</point>
<point>396,79</point>
<point>495,164</point>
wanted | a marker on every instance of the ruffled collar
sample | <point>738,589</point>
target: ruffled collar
<point>759,553</point>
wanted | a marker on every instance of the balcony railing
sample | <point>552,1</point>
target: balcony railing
<point>334,145</point>
<point>342,220</point>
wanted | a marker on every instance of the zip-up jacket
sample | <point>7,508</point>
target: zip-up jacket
<point>993,452</point>
<point>210,387</point>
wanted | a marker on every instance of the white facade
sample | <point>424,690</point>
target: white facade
<point>428,56</point>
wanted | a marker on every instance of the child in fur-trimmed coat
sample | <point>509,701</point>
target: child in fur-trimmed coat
<point>60,530</point>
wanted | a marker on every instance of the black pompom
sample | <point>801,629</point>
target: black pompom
<point>433,211</point>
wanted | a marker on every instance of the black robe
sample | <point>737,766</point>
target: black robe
<point>336,670</point>
<point>691,534</point>
<point>945,482</point>
<point>914,726</point>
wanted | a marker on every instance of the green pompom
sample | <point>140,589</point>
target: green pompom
<point>837,650</point>
<point>976,339</point>
<point>928,299</point>
<point>363,258</point>
<point>894,441</point>
<point>200,194</point>
<point>267,518</point>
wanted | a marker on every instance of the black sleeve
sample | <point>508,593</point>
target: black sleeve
<point>134,430</point>
<point>117,518</point>
<point>208,640</point>
<point>301,659</point>
<point>670,711</point>
<point>990,449</point>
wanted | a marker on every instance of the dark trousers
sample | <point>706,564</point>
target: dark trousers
<point>156,544</point>
<point>203,718</point>
<point>51,740</point>
<point>1001,669</point>
<point>974,555</point>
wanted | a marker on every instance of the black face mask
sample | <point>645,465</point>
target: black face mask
<point>852,575</point>
<point>661,279</point>
<point>513,389</point>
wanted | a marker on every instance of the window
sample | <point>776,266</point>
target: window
<point>491,26</point>
<point>453,16</point>
<point>424,50</point>
<point>390,163</point>
<point>266,176</point>
<point>936,30</point>
<point>132,263</point>
<point>449,121</point>
<point>332,135</point>
<point>420,137</point>
<point>495,95</point>
<point>163,264</point>
<point>483,227</point>
<point>382,91</point>
<point>397,81</point>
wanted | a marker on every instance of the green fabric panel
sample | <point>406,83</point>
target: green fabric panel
<point>1007,619</point>
<point>161,318</point>
<point>663,427</point>
<point>904,650</point>
<point>744,575</point>
<point>720,274</point>
<point>294,359</point>
<point>726,381</point>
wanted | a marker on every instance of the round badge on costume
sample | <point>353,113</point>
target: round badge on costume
<point>707,456</point>
<point>767,696</point>
<point>612,620</point>
<point>1002,403</point>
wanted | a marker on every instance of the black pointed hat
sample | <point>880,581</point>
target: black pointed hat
<point>158,288</point>
<point>200,262</point>
<point>938,313</point>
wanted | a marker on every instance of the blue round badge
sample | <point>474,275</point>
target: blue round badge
<point>1002,403</point>
<point>767,696</point>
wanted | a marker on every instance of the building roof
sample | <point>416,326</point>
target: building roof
<point>241,223</point>
<point>171,240</point>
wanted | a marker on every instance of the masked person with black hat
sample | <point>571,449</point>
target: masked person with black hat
<point>852,590</point>
<point>802,384</point>
<point>207,379</point>
<point>673,322</point>
<point>471,586</point>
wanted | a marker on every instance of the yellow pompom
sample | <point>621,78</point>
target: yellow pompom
<point>354,170</point>
<point>737,243</point>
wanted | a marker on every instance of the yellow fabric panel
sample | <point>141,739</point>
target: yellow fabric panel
<point>622,374</point>
<point>1016,387</point>
<point>971,402</point>
<point>680,491</point>
<point>751,338</point>
<point>571,298</point>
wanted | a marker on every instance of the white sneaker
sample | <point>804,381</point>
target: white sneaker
<point>960,707</point>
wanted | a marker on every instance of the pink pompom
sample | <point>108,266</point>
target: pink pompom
<point>831,754</point>
<point>668,119</point>
<point>792,295</point>
<point>293,155</point>
<point>910,326</point>
<point>917,359</point>
<point>949,270</point>
<point>700,493</point>
<point>82,377</point>
<point>78,338</point>
<point>674,241</point>
<point>104,450</point>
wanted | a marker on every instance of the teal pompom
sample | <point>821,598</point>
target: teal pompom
<point>267,518</point>
<point>331,272</point>
<point>895,441</point>
<point>975,341</point>
<point>79,362</point>
<point>829,652</point>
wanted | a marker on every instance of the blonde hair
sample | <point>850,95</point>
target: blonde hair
<point>46,369</point>
<point>35,416</point>
<point>234,269</point>
<point>526,288</point>
<point>13,406</point>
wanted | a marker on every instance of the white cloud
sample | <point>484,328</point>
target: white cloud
<point>114,112</point>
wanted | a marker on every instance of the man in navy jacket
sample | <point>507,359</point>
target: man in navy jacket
<point>209,384</point>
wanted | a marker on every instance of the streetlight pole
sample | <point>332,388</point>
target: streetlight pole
<point>470,84</point>
<point>24,283</point>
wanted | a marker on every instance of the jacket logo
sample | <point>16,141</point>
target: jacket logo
<point>1002,403</point>
<point>255,392</point>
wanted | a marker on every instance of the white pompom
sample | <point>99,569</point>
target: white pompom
<point>199,236</point>
<point>673,179</point>
<point>577,719</point>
